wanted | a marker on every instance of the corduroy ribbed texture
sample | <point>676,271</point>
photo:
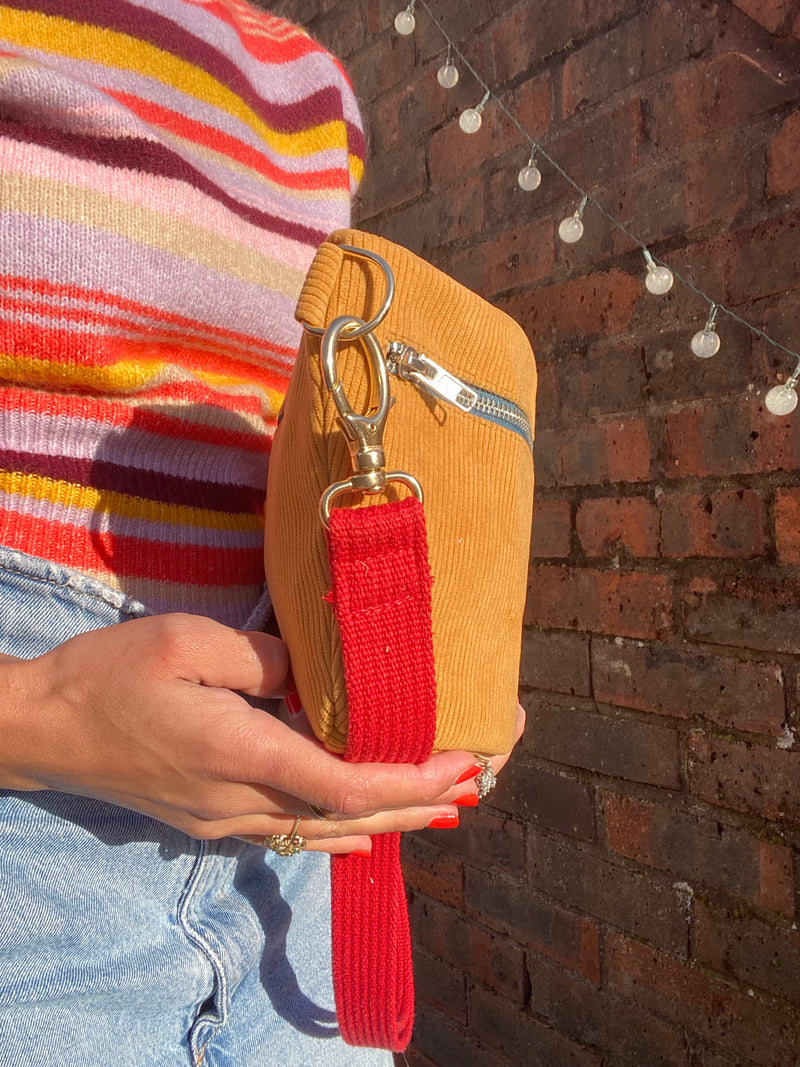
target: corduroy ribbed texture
<point>477,478</point>
<point>167,170</point>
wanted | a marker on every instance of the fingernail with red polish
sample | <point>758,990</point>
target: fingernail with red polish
<point>469,800</point>
<point>444,822</point>
<point>470,772</point>
<point>359,852</point>
<point>292,698</point>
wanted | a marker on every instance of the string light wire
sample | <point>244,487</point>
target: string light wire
<point>536,147</point>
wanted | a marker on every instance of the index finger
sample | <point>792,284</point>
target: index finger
<point>299,765</point>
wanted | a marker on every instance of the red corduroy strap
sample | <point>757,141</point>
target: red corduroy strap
<point>381,595</point>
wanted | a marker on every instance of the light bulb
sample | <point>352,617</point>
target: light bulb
<point>705,343</point>
<point>447,75</point>
<point>659,279</point>
<point>530,177</point>
<point>570,229</point>
<point>781,399</point>
<point>404,22</point>
<point>470,120</point>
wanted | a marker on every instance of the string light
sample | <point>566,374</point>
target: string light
<point>705,342</point>
<point>404,21</point>
<point>471,119</point>
<point>780,400</point>
<point>447,74</point>
<point>659,278</point>
<point>530,177</point>
<point>571,228</point>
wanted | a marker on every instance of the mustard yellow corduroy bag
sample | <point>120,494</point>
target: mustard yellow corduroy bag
<point>474,464</point>
<point>403,621</point>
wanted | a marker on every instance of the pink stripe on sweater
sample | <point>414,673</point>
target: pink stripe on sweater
<point>153,192</point>
<point>130,447</point>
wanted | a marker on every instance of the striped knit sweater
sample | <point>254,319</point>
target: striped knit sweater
<point>167,169</point>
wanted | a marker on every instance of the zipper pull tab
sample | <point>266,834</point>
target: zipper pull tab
<point>405,362</point>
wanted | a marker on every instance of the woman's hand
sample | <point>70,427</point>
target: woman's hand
<point>147,715</point>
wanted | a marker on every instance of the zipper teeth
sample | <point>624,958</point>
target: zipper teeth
<point>489,406</point>
<point>504,412</point>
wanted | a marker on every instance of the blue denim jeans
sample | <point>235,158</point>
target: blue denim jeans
<point>126,943</point>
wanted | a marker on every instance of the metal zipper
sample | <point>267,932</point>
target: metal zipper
<point>405,362</point>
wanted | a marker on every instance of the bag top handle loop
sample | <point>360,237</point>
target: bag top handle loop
<point>380,315</point>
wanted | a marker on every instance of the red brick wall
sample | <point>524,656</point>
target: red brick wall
<point>628,896</point>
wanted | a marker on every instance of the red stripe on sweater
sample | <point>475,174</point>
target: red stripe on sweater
<point>55,346</point>
<point>232,147</point>
<point>210,349</point>
<point>284,43</point>
<point>108,412</point>
<point>69,291</point>
<point>131,557</point>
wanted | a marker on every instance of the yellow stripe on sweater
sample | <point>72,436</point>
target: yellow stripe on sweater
<point>109,48</point>
<point>201,151</point>
<point>68,494</point>
<point>124,376</point>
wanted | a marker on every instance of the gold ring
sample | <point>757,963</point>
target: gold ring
<point>286,844</point>
<point>317,811</point>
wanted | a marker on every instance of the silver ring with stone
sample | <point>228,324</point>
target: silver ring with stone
<point>487,779</point>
